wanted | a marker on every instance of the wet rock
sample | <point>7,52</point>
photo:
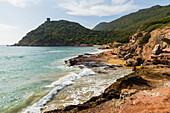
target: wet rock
<point>81,67</point>
<point>88,54</point>
<point>80,55</point>
<point>110,67</point>
<point>72,62</point>
<point>102,72</point>
<point>94,64</point>
<point>157,49</point>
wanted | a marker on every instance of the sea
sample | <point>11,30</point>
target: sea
<point>35,79</point>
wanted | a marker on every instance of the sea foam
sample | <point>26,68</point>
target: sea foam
<point>57,86</point>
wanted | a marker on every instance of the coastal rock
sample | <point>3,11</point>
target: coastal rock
<point>139,59</point>
<point>157,49</point>
<point>129,55</point>
<point>131,62</point>
<point>123,53</point>
<point>72,62</point>
<point>163,58</point>
<point>167,50</point>
<point>117,44</point>
<point>105,46</point>
<point>94,64</point>
<point>147,62</point>
<point>166,38</point>
<point>88,54</point>
<point>110,67</point>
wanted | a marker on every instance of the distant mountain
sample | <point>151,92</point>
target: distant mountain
<point>133,21</point>
<point>99,25</point>
<point>64,33</point>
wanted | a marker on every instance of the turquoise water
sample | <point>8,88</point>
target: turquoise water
<point>25,71</point>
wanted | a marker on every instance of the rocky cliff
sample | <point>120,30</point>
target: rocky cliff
<point>155,50</point>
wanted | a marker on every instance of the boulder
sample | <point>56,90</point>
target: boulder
<point>129,55</point>
<point>166,38</point>
<point>117,44</point>
<point>157,49</point>
<point>131,62</point>
<point>139,59</point>
<point>123,53</point>
<point>147,62</point>
<point>88,54</point>
<point>94,64</point>
<point>163,58</point>
<point>119,65</point>
<point>166,50</point>
<point>80,56</point>
<point>72,62</point>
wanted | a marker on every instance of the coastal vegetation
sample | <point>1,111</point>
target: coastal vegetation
<point>133,21</point>
<point>144,39</point>
<point>150,26</point>
<point>62,32</point>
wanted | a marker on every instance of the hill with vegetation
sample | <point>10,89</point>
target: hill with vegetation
<point>133,21</point>
<point>65,33</point>
<point>60,33</point>
<point>99,25</point>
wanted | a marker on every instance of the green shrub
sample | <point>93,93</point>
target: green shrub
<point>151,28</point>
<point>144,39</point>
<point>155,24</point>
<point>125,39</point>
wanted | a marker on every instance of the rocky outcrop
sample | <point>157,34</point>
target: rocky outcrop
<point>154,58</point>
<point>157,49</point>
<point>131,62</point>
<point>118,91</point>
<point>151,52</point>
<point>154,51</point>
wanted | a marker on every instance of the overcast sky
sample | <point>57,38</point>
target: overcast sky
<point>18,17</point>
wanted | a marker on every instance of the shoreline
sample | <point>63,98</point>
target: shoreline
<point>135,82</point>
<point>100,63</point>
<point>149,61</point>
<point>40,101</point>
<point>76,45</point>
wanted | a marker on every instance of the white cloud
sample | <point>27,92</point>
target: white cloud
<point>21,3</point>
<point>5,27</point>
<point>97,7</point>
<point>118,1</point>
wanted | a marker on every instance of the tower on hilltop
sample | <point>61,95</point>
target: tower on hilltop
<point>48,20</point>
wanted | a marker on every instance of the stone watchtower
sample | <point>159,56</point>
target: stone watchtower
<point>48,20</point>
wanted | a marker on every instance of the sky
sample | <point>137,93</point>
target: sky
<point>18,17</point>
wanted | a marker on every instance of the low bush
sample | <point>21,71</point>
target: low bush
<point>144,39</point>
<point>125,39</point>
